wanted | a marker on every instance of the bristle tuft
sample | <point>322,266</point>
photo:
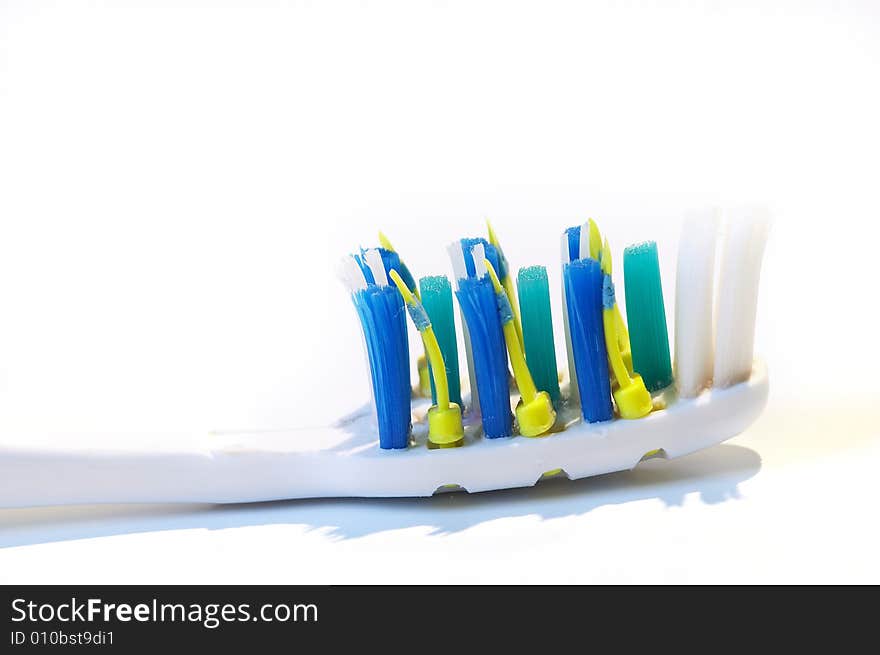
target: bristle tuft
<point>437,299</point>
<point>383,320</point>
<point>694,322</point>
<point>583,294</point>
<point>646,311</point>
<point>737,301</point>
<point>537,325</point>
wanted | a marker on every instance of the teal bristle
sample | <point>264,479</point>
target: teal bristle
<point>436,295</point>
<point>537,327</point>
<point>646,313</point>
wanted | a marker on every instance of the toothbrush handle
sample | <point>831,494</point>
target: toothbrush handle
<point>209,470</point>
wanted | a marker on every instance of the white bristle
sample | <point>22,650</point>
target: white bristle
<point>693,303</point>
<point>456,256</point>
<point>737,301</point>
<point>374,261</point>
<point>478,253</point>
<point>584,245</point>
<point>351,274</point>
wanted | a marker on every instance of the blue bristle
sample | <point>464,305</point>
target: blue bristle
<point>407,277</point>
<point>503,267</point>
<point>583,280</point>
<point>574,242</point>
<point>491,254</point>
<point>383,318</point>
<point>391,259</point>
<point>362,264</point>
<point>478,303</point>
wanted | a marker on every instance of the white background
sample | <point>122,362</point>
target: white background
<point>178,181</point>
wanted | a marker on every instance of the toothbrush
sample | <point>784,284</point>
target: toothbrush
<point>417,446</point>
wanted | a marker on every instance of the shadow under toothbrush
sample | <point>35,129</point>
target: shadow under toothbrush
<point>714,473</point>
